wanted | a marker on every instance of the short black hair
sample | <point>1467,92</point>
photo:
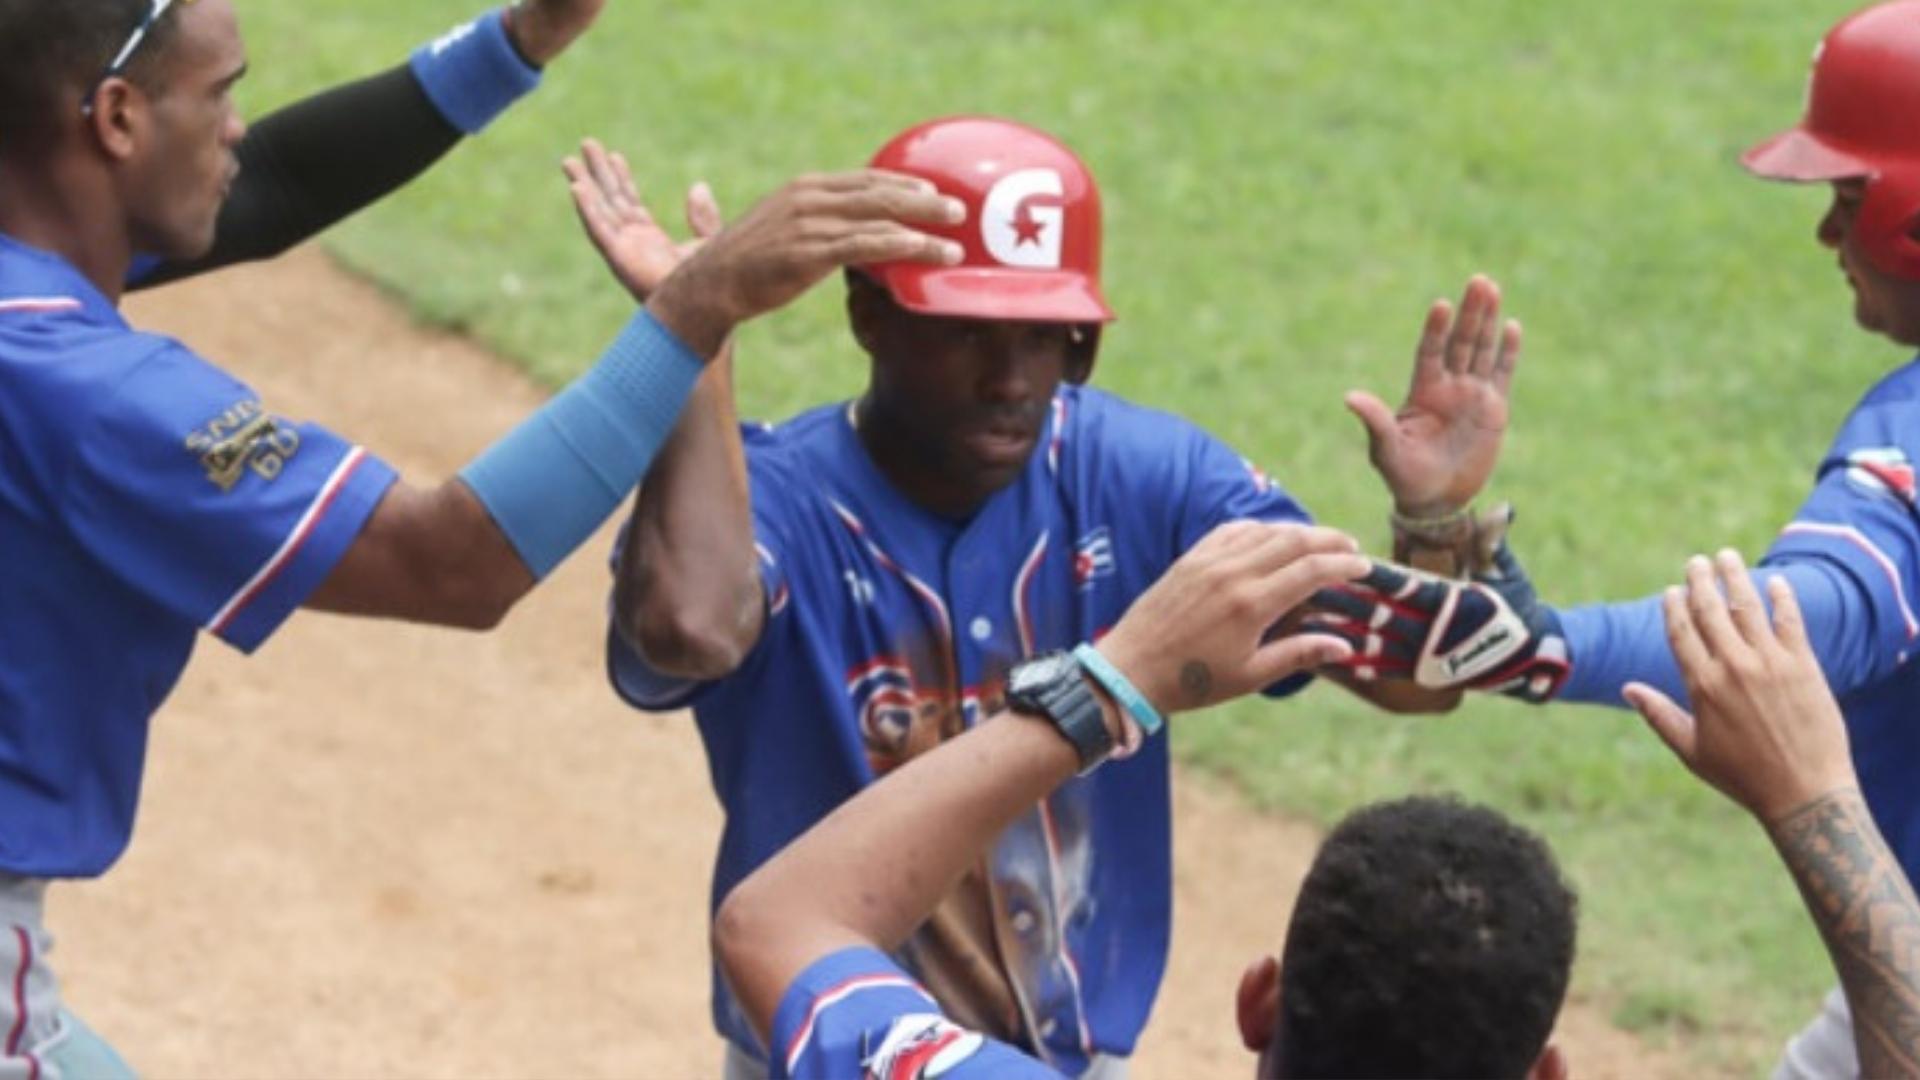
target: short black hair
<point>52,51</point>
<point>1430,938</point>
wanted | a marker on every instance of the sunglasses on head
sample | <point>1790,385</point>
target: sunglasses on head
<point>119,63</point>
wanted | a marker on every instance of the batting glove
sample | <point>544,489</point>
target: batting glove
<point>1489,632</point>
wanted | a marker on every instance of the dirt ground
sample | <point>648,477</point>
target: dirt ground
<point>380,850</point>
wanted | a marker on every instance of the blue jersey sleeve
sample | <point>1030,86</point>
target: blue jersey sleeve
<point>855,1013</point>
<point>187,488</point>
<point>1851,553</point>
<point>1614,644</point>
<point>1224,486</point>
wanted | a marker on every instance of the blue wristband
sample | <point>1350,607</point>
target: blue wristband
<point>552,480</point>
<point>472,72</point>
<point>1123,691</point>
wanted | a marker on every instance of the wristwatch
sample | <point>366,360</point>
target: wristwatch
<point>1054,686</point>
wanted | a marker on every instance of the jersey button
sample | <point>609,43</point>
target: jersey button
<point>1023,922</point>
<point>981,628</point>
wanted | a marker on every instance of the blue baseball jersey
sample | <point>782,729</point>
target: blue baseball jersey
<point>890,629</point>
<point>144,495</point>
<point>856,1013</point>
<point>1852,553</point>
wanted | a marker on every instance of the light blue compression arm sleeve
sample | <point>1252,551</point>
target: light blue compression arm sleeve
<point>1614,644</point>
<point>550,482</point>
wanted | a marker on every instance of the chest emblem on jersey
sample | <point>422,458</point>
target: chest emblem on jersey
<point>920,1046</point>
<point>1093,558</point>
<point>240,440</point>
<point>1883,470</point>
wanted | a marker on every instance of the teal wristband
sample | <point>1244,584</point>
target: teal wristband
<point>1123,691</point>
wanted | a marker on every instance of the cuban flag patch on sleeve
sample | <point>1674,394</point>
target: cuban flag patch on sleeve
<point>1882,470</point>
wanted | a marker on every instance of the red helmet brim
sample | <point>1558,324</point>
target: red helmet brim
<point>1023,295</point>
<point>1799,156</point>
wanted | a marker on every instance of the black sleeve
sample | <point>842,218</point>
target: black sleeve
<point>316,161</point>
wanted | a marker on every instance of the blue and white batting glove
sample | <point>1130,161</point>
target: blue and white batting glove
<point>1489,632</point>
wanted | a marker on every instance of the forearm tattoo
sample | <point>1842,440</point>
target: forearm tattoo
<point>1866,911</point>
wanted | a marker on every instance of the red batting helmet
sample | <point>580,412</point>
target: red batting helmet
<point>1860,123</point>
<point>1032,234</point>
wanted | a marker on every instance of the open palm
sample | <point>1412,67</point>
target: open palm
<point>636,248</point>
<point>1438,449</point>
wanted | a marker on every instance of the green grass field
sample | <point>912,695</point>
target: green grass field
<point>1287,185</point>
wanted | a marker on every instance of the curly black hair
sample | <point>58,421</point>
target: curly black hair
<point>52,52</point>
<point>1430,938</point>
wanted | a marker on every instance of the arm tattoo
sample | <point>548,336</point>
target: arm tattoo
<point>1859,897</point>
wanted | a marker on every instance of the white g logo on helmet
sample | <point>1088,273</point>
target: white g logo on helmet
<point>1015,231</point>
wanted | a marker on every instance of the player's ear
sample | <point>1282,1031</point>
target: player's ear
<point>1083,347</point>
<point>1551,1065</point>
<point>1257,1004</point>
<point>117,119</point>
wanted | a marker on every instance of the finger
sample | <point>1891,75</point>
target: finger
<point>1466,330</point>
<point>1286,656</point>
<point>893,203</point>
<point>1430,356</point>
<point>703,211</point>
<point>591,208</point>
<point>1280,542</point>
<point>865,179</point>
<point>626,192</point>
<point>1743,600</point>
<point>604,174</point>
<point>1675,725</point>
<point>1264,547</point>
<point>889,243</point>
<point>1788,623</point>
<point>1486,346</point>
<point>1374,416</point>
<point>1689,651</point>
<point>1709,611</point>
<point>1509,359</point>
<point>1289,586</point>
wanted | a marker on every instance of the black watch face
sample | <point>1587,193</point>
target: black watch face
<point>1029,678</point>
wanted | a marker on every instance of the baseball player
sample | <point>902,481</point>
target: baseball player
<point>146,494</point>
<point>1851,553</point>
<point>839,593</point>
<point>1383,975</point>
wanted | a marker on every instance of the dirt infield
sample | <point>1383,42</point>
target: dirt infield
<point>380,850</point>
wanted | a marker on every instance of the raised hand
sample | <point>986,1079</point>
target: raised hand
<point>542,29</point>
<point>636,248</point>
<point>1437,451</point>
<point>1764,730</point>
<point>1200,635</point>
<point>795,237</point>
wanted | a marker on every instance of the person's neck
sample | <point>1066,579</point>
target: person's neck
<point>896,455</point>
<point>62,207</point>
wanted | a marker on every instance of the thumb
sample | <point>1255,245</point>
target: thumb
<point>1675,725</point>
<point>1373,413</point>
<point>703,211</point>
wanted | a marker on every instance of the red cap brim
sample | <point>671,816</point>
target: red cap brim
<point>1799,156</point>
<point>1062,296</point>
